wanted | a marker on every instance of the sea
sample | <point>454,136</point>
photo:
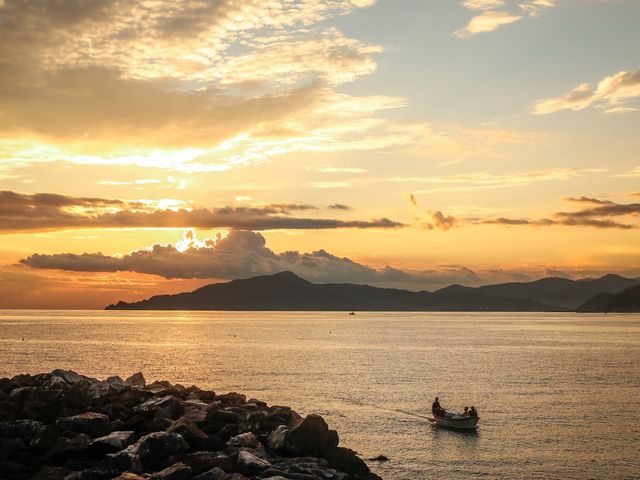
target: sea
<point>558,394</point>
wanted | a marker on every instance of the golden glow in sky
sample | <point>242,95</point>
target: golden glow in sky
<point>151,147</point>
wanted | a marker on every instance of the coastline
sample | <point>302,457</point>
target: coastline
<point>68,426</point>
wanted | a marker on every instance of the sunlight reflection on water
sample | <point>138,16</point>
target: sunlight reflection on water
<point>517,369</point>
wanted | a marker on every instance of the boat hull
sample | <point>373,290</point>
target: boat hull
<point>461,423</point>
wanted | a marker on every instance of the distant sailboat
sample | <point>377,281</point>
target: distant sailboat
<point>353,309</point>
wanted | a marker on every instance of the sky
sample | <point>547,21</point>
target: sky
<point>156,146</point>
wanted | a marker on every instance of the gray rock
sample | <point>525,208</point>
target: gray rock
<point>251,464</point>
<point>203,461</point>
<point>66,448</point>
<point>195,410</point>
<point>248,440</point>
<point>24,429</point>
<point>155,447</point>
<point>126,459</point>
<point>163,407</point>
<point>307,438</point>
<point>68,376</point>
<point>277,438</point>
<point>179,471</point>
<point>136,380</point>
<point>115,381</point>
<point>92,423</point>
<point>92,474</point>
<point>129,476</point>
<point>213,474</point>
<point>232,398</point>
<point>111,443</point>
<point>223,416</point>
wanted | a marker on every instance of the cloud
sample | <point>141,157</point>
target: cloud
<point>340,206</point>
<point>483,4</point>
<point>611,94</point>
<point>635,172</point>
<point>24,212</point>
<point>197,86</point>
<point>336,184</point>
<point>598,214</point>
<point>441,221</point>
<point>496,13</point>
<point>486,180</point>
<point>243,254</point>
<point>487,22</point>
<point>341,170</point>
<point>567,221</point>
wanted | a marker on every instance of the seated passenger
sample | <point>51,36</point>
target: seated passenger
<point>436,409</point>
<point>466,412</point>
<point>473,412</point>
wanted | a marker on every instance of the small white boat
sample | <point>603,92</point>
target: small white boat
<point>452,420</point>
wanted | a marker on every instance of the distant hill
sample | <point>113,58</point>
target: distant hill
<point>627,301</point>
<point>287,291</point>
<point>557,293</point>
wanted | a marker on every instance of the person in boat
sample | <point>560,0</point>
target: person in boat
<point>466,412</point>
<point>436,409</point>
<point>472,411</point>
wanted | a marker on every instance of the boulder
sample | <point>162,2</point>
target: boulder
<point>347,461</point>
<point>129,476</point>
<point>69,376</point>
<point>223,416</point>
<point>67,448</point>
<point>307,438</point>
<point>9,447</point>
<point>46,439</point>
<point>92,474</point>
<point>201,462</point>
<point>160,389</point>
<point>155,447</point>
<point>317,467</point>
<point>195,410</point>
<point>250,464</point>
<point>91,423</point>
<point>179,471</point>
<point>195,437</point>
<point>50,473</point>
<point>163,407</point>
<point>126,459</point>
<point>8,410</point>
<point>24,429</point>
<point>114,442</point>
<point>136,380</point>
<point>246,440</point>
<point>213,474</point>
<point>232,398</point>
<point>279,474</point>
<point>278,437</point>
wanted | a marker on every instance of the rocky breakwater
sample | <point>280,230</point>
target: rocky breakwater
<point>62,425</point>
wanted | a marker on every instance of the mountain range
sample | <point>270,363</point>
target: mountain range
<point>626,301</point>
<point>288,292</point>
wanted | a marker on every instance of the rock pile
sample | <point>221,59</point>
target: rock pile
<point>62,425</point>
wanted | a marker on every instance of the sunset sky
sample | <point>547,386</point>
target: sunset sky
<point>155,146</point>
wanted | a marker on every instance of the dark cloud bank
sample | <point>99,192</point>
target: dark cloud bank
<point>244,254</point>
<point>44,211</point>
<point>599,213</point>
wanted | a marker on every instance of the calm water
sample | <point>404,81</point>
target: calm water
<point>558,394</point>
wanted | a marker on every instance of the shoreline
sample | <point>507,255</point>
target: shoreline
<point>63,425</point>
